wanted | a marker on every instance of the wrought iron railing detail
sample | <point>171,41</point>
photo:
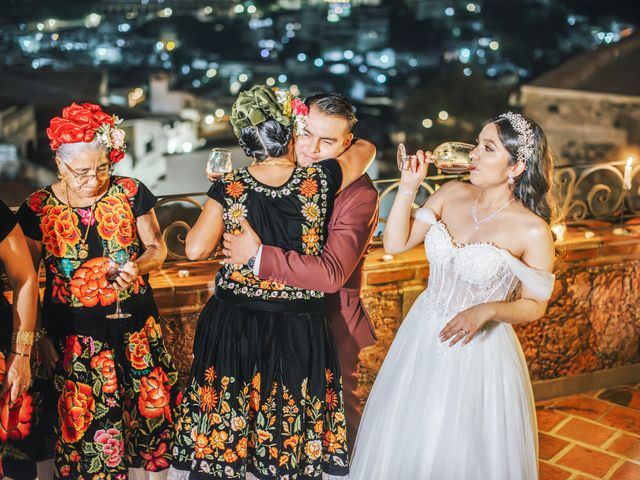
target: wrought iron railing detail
<point>582,192</point>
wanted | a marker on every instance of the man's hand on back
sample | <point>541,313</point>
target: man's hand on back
<point>238,248</point>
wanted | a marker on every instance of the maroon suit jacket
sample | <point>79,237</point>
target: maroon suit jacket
<point>338,271</point>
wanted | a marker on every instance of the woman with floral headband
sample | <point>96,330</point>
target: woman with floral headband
<point>114,380</point>
<point>453,398</point>
<point>264,397</point>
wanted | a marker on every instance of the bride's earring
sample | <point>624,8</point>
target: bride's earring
<point>511,180</point>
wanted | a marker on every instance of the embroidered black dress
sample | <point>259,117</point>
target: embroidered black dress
<point>23,425</point>
<point>115,383</point>
<point>264,396</point>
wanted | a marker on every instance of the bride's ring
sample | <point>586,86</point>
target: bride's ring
<point>463,332</point>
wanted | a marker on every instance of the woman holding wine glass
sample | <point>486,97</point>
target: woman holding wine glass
<point>97,234</point>
<point>453,398</point>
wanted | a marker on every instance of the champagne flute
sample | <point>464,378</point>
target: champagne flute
<point>114,267</point>
<point>450,157</point>
<point>219,161</point>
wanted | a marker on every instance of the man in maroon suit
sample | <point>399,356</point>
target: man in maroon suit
<point>338,271</point>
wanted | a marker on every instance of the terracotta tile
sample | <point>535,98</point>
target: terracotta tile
<point>627,446</point>
<point>548,418</point>
<point>593,393</point>
<point>582,406</point>
<point>627,471</point>
<point>587,460</point>
<point>551,472</point>
<point>587,432</point>
<point>581,477</point>
<point>550,445</point>
<point>625,396</point>
<point>623,418</point>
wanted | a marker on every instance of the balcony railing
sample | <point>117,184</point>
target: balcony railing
<point>585,192</point>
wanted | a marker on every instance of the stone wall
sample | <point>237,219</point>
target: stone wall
<point>592,322</point>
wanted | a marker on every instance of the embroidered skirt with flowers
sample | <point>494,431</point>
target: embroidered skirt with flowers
<point>117,396</point>
<point>264,396</point>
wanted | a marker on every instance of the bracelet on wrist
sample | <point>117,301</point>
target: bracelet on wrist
<point>20,353</point>
<point>407,192</point>
<point>22,337</point>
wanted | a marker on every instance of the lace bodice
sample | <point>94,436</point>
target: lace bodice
<point>461,276</point>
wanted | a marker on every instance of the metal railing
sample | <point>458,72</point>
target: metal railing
<point>583,192</point>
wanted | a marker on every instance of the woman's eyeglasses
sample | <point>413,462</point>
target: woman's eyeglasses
<point>101,172</point>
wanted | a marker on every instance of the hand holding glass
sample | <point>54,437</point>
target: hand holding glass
<point>219,161</point>
<point>113,269</point>
<point>450,157</point>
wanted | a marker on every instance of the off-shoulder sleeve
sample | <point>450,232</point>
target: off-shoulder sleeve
<point>539,282</point>
<point>425,215</point>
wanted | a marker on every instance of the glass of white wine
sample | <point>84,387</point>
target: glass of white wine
<point>113,268</point>
<point>450,157</point>
<point>219,161</point>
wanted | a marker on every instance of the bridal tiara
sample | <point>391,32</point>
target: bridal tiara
<point>525,135</point>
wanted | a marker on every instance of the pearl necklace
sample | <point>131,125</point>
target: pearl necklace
<point>474,212</point>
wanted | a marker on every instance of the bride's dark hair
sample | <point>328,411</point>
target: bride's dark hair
<point>534,186</point>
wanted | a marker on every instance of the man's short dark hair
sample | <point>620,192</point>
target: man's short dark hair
<point>333,104</point>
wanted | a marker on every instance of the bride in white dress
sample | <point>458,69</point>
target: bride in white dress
<point>453,399</point>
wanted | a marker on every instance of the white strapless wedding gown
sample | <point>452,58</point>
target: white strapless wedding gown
<point>459,413</point>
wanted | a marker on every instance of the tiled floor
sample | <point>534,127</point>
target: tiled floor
<point>594,435</point>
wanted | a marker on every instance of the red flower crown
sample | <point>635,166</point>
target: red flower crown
<point>83,123</point>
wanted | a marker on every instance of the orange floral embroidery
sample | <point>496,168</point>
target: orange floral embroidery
<point>75,407</point>
<point>201,446</point>
<point>208,398</point>
<point>152,329</point>
<point>241,447</point>
<point>90,286</point>
<point>328,375</point>
<point>218,438</point>
<point>59,228</point>
<point>11,430</point>
<point>137,350</point>
<point>230,456</point>
<point>308,187</point>
<point>154,395</point>
<point>115,219</point>
<point>331,398</point>
<point>311,237</point>
<point>235,189</point>
<point>104,363</point>
<point>210,374</point>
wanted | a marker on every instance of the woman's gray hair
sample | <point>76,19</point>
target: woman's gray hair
<point>68,151</point>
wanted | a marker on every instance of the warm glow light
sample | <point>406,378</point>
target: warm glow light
<point>219,113</point>
<point>270,81</point>
<point>243,77</point>
<point>171,45</point>
<point>208,119</point>
<point>427,123</point>
<point>560,230</point>
<point>443,115</point>
<point>212,72</point>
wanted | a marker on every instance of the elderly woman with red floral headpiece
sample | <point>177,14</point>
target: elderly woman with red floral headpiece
<point>99,238</point>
